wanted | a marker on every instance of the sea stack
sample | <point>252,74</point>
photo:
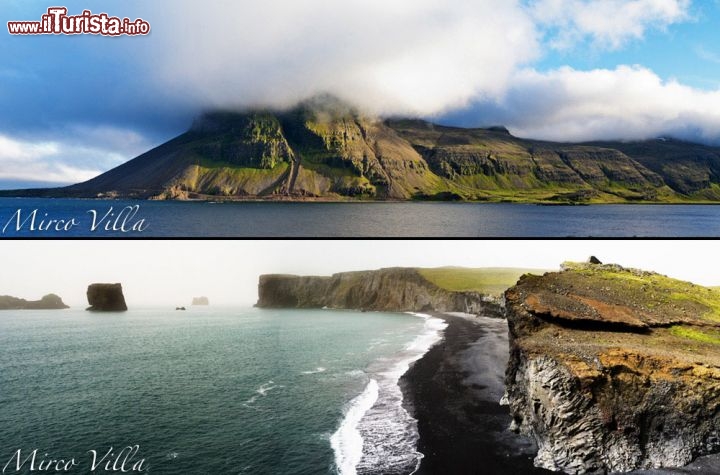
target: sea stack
<point>200,301</point>
<point>614,369</point>
<point>106,298</point>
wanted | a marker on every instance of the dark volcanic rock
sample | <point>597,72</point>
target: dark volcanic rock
<point>395,289</point>
<point>48,302</point>
<point>106,298</point>
<point>614,369</point>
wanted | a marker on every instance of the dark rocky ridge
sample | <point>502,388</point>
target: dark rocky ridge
<point>614,369</point>
<point>48,302</point>
<point>106,298</point>
<point>324,149</point>
<point>394,290</point>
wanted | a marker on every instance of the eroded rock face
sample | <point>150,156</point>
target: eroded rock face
<point>106,298</point>
<point>382,290</point>
<point>614,369</point>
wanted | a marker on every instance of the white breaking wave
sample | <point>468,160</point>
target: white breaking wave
<point>262,391</point>
<point>317,370</point>
<point>346,442</point>
<point>265,388</point>
<point>385,435</point>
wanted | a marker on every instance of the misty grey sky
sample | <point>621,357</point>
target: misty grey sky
<point>162,273</point>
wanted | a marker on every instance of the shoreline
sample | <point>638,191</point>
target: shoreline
<point>453,392</point>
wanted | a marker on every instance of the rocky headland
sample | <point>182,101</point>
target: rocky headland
<point>48,302</point>
<point>106,298</point>
<point>391,290</point>
<point>614,369</point>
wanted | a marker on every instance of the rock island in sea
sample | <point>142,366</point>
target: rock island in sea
<point>48,302</point>
<point>106,298</point>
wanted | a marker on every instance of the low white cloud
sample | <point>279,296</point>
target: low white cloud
<point>76,154</point>
<point>605,23</point>
<point>622,103</point>
<point>402,56</point>
<point>399,57</point>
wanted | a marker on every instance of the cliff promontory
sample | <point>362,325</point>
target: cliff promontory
<point>614,369</point>
<point>396,289</point>
<point>48,302</point>
<point>106,298</point>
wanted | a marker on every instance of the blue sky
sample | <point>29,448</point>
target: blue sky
<point>74,106</point>
<point>688,50</point>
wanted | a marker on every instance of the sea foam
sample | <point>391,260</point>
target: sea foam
<point>317,370</point>
<point>377,434</point>
<point>346,442</point>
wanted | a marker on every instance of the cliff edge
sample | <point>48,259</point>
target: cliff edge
<point>614,369</point>
<point>392,290</point>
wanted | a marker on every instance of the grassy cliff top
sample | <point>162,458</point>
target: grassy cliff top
<point>657,300</point>
<point>490,281</point>
<point>590,309</point>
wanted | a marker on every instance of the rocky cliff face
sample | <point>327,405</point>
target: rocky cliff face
<point>396,290</point>
<point>614,369</point>
<point>106,298</point>
<point>48,302</point>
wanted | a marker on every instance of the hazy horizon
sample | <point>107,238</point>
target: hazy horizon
<point>171,273</point>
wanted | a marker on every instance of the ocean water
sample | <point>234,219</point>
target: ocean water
<point>124,219</point>
<point>211,390</point>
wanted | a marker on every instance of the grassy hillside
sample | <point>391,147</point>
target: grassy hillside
<point>492,281</point>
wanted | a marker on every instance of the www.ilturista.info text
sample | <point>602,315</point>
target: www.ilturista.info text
<point>57,22</point>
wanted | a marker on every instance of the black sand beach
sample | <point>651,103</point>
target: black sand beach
<point>454,393</point>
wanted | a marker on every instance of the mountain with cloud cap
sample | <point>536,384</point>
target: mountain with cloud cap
<point>325,149</point>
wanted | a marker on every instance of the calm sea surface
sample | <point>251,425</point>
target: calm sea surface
<point>212,391</point>
<point>195,219</point>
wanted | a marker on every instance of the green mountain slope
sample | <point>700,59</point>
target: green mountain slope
<point>325,150</point>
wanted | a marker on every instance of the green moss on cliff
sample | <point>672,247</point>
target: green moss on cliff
<point>696,334</point>
<point>652,291</point>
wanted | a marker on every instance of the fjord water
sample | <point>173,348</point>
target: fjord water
<point>210,390</point>
<point>406,219</point>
